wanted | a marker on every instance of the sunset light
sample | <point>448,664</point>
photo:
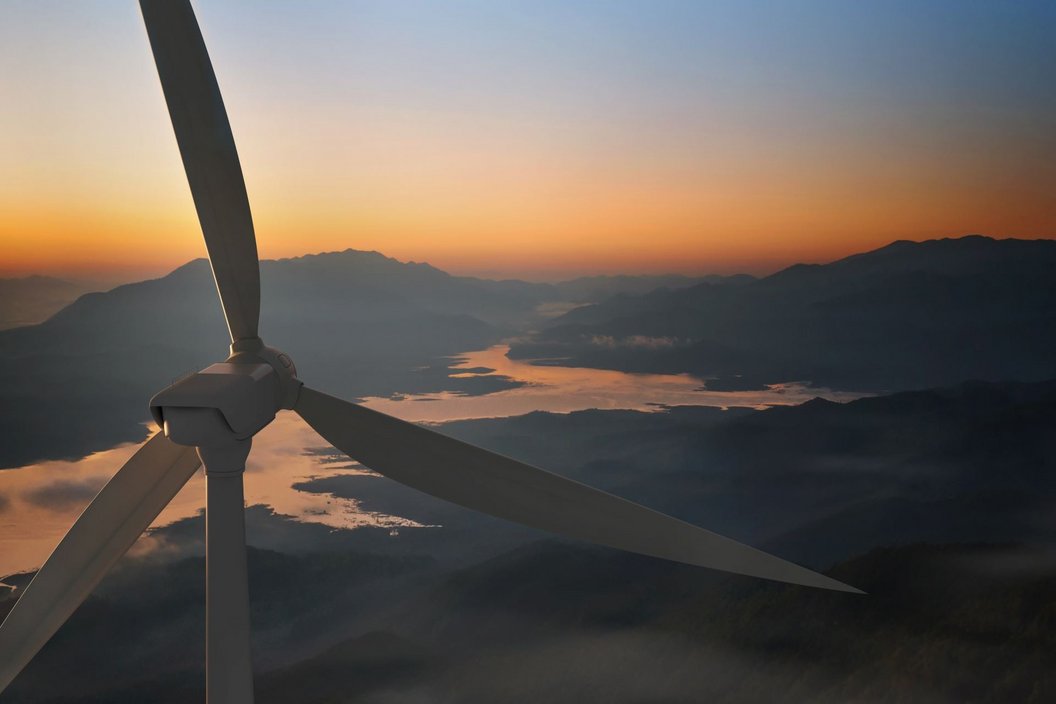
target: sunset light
<point>536,139</point>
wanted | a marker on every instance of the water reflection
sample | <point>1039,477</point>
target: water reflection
<point>39,502</point>
<point>566,389</point>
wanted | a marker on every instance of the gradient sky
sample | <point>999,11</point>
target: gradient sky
<point>537,138</point>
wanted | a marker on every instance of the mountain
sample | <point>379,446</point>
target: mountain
<point>32,299</point>
<point>592,289</point>
<point>821,481</point>
<point>818,483</point>
<point>357,278</point>
<point>908,315</point>
<point>938,502</point>
<point>571,294</point>
<point>362,323</point>
<point>565,624</point>
<point>495,301</point>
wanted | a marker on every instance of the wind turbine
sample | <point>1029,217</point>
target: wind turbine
<point>210,418</point>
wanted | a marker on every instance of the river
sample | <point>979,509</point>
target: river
<point>39,502</point>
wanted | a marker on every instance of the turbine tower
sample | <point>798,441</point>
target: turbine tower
<point>210,418</point>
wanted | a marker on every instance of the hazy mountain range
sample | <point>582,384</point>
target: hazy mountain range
<point>32,299</point>
<point>363,323</point>
<point>908,315</point>
<point>939,502</point>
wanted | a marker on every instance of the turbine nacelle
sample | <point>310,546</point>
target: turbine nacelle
<point>230,401</point>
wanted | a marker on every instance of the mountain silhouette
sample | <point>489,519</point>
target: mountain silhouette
<point>364,323</point>
<point>31,299</point>
<point>908,315</point>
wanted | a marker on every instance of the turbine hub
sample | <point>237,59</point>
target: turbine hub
<point>253,351</point>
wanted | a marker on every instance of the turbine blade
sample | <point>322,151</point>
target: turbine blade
<point>104,532</point>
<point>484,481</point>
<point>209,158</point>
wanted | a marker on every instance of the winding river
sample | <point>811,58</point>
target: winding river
<point>39,502</point>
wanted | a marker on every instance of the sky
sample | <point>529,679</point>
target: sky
<point>538,139</point>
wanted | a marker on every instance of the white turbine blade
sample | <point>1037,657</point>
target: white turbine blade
<point>104,532</point>
<point>209,158</point>
<point>484,481</point>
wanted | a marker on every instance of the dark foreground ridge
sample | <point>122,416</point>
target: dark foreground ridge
<point>938,503</point>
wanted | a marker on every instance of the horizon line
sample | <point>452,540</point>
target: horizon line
<point>131,273</point>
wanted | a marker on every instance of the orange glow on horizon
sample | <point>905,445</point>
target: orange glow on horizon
<point>505,205</point>
<point>635,236</point>
<point>92,246</point>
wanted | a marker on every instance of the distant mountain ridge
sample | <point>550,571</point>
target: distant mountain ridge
<point>591,289</point>
<point>32,299</point>
<point>908,315</point>
<point>375,267</point>
<point>363,323</point>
